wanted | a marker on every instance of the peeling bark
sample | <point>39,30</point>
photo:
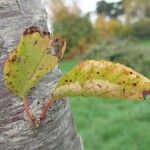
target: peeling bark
<point>16,132</point>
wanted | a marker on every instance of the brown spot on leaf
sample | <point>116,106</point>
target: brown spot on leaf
<point>25,61</point>
<point>134,84</point>
<point>8,74</point>
<point>35,42</point>
<point>46,34</point>
<point>99,85</point>
<point>13,59</point>
<point>10,83</point>
<point>57,45</point>
<point>119,83</point>
<point>34,29</point>
<point>37,77</point>
<point>131,72</point>
<point>31,30</point>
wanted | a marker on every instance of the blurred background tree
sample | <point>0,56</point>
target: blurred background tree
<point>109,29</point>
<point>141,29</point>
<point>136,10</point>
<point>136,18</point>
<point>77,30</point>
<point>125,19</point>
<point>112,9</point>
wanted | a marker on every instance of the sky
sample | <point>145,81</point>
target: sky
<point>87,5</point>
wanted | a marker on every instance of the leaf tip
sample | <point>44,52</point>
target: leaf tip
<point>58,47</point>
<point>145,93</point>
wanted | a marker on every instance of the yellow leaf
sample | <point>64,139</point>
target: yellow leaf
<point>104,79</point>
<point>36,54</point>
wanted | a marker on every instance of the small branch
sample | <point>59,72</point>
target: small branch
<point>29,113</point>
<point>42,116</point>
<point>45,109</point>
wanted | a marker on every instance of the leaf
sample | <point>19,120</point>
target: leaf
<point>102,78</point>
<point>36,54</point>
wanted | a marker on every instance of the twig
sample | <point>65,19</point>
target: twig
<point>45,109</point>
<point>29,113</point>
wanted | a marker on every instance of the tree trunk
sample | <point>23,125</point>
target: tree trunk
<point>16,133</point>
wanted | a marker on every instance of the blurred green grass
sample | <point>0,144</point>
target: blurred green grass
<point>144,43</point>
<point>111,124</point>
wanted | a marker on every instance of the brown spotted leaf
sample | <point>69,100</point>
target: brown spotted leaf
<point>103,78</point>
<point>36,54</point>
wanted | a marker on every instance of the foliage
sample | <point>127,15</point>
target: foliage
<point>113,28</point>
<point>141,29</point>
<point>112,9</point>
<point>133,54</point>
<point>77,30</point>
<point>36,54</point>
<point>136,9</point>
<point>136,13</point>
<point>60,11</point>
<point>102,78</point>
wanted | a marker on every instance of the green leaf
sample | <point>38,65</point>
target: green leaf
<point>36,54</point>
<point>102,78</point>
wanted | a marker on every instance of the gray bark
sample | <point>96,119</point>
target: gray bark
<point>16,132</point>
